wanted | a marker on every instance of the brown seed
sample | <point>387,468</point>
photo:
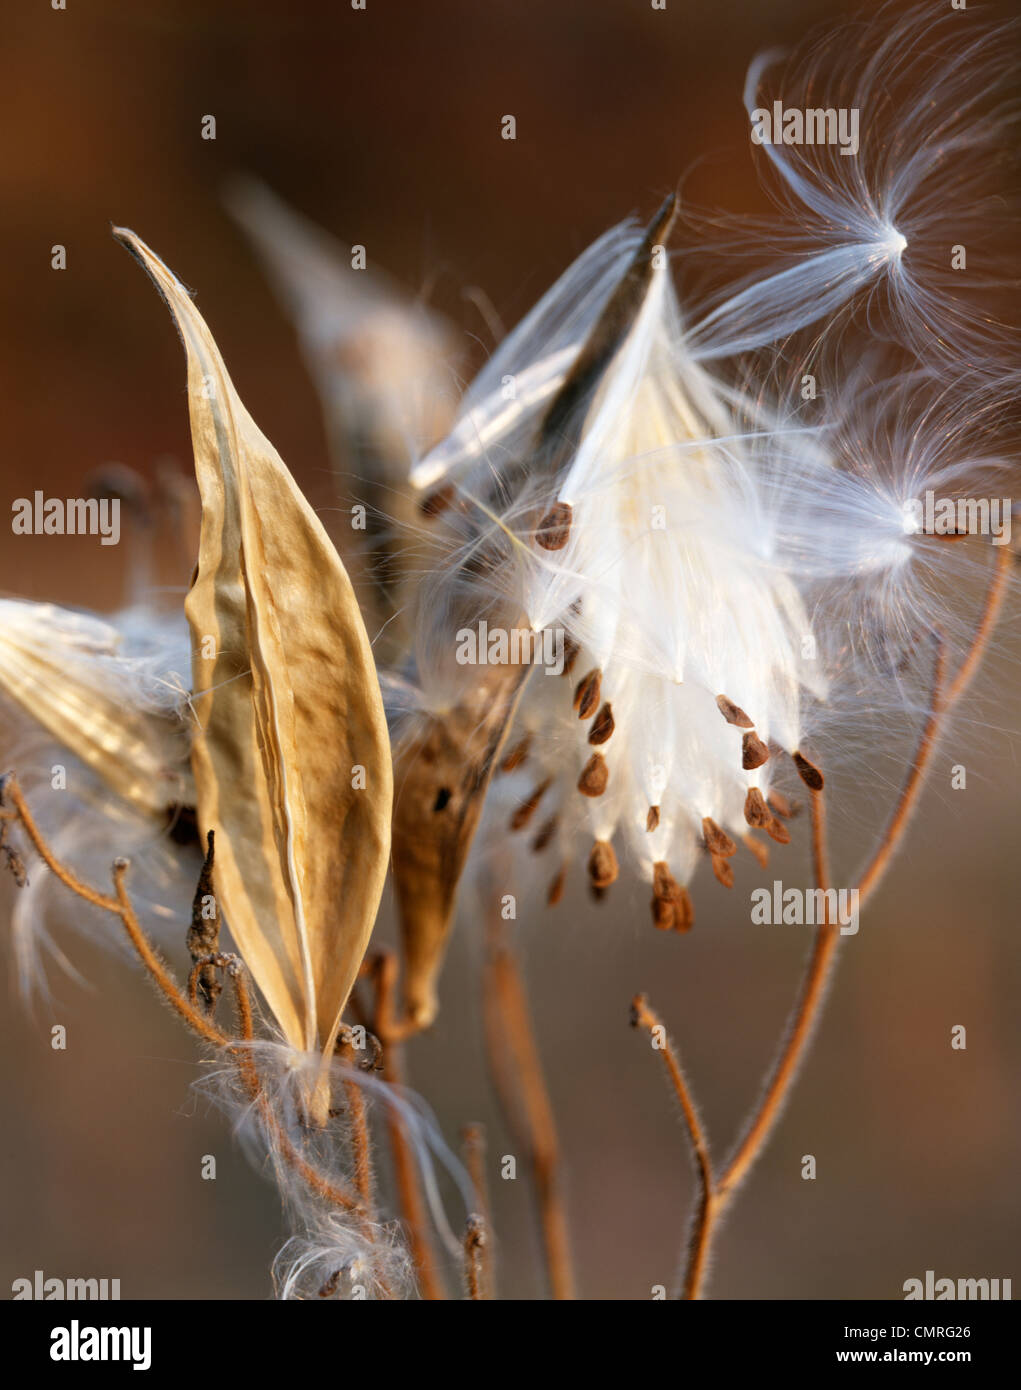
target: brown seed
<point>757,848</point>
<point>571,650</point>
<point>544,835</point>
<point>556,889</point>
<point>756,812</point>
<point>436,502</point>
<point>779,803</point>
<point>586,694</point>
<point>602,726</point>
<point>594,776</point>
<point>664,913</point>
<point>652,818</point>
<point>602,865</point>
<point>517,754</point>
<point>717,841</point>
<point>527,809</point>
<point>723,871</point>
<point>732,713</point>
<point>753,752</point>
<point>776,830</point>
<point>808,772</point>
<point>554,529</point>
<point>671,904</point>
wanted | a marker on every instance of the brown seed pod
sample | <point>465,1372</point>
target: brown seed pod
<point>586,694</point>
<point>753,752</point>
<point>554,529</point>
<point>602,726</point>
<point>808,772</point>
<point>602,865</point>
<point>594,776</point>
<point>732,713</point>
<point>652,818</point>
<point>756,812</point>
<point>723,870</point>
<point>717,841</point>
<point>571,650</point>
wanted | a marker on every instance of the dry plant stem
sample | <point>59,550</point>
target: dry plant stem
<point>474,1148</point>
<point>521,1090</point>
<point>818,971</point>
<point>120,906</point>
<point>995,595</point>
<point>409,1193</point>
<point>474,1251</point>
<point>643,1016</point>
<point>360,1145</point>
<point>906,802</point>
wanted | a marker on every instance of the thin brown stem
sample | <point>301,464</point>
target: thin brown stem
<point>908,799</point>
<point>643,1016</point>
<point>358,1121</point>
<point>474,1249</point>
<point>121,907</point>
<point>474,1148</point>
<point>521,1089</point>
<point>995,595</point>
<point>802,1024</point>
<point>384,969</point>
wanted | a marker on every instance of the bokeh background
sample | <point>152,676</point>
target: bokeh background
<point>383,126</point>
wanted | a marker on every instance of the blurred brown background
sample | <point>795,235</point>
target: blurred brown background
<point>383,126</point>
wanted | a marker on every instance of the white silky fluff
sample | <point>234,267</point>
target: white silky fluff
<point>333,1252</point>
<point>137,660</point>
<point>724,541</point>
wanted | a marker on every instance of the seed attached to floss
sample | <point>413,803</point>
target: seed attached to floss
<point>571,650</point>
<point>602,865</point>
<point>586,694</point>
<point>779,803</point>
<point>436,502</point>
<point>554,529</point>
<point>732,713</point>
<point>556,889</point>
<point>717,841</point>
<point>756,812</point>
<point>527,809</point>
<point>517,754</point>
<point>723,870</point>
<point>671,904</point>
<point>652,819</point>
<point>603,725</point>
<point>757,848</point>
<point>753,752</point>
<point>544,834</point>
<point>594,776</point>
<point>808,772</point>
<point>776,830</point>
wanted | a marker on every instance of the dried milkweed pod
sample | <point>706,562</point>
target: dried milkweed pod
<point>290,754</point>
